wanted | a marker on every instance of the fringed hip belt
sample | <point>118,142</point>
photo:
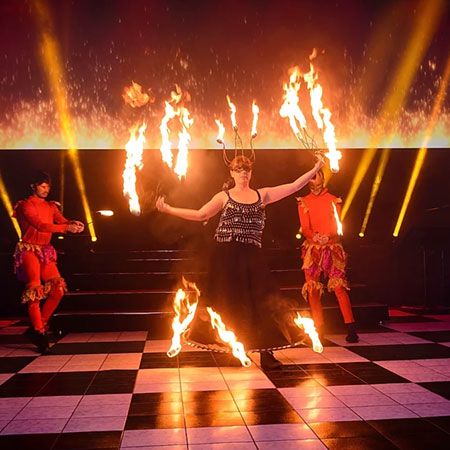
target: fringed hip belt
<point>45,253</point>
<point>323,256</point>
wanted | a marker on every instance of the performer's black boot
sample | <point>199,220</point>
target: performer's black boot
<point>40,340</point>
<point>268,361</point>
<point>352,337</point>
<point>53,334</point>
<point>29,333</point>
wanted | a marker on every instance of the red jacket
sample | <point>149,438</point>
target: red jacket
<point>316,214</point>
<point>38,219</point>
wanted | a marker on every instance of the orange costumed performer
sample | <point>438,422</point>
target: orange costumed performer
<point>323,254</point>
<point>35,257</point>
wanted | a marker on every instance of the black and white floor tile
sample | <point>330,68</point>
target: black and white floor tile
<point>120,391</point>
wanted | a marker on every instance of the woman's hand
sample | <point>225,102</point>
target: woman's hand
<point>161,205</point>
<point>320,160</point>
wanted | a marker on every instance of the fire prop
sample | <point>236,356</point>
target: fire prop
<point>322,116</point>
<point>221,133</point>
<point>182,306</point>
<point>185,307</point>
<point>166,145</point>
<point>172,111</point>
<point>237,138</point>
<point>290,109</point>
<point>227,336</point>
<point>307,324</point>
<point>255,111</point>
<point>134,161</point>
<point>183,141</point>
<point>233,113</point>
<point>185,310</point>
<point>340,231</point>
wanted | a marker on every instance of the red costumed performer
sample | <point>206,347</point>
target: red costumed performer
<point>35,257</point>
<point>322,253</point>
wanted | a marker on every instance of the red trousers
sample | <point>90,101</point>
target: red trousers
<point>33,272</point>
<point>315,302</point>
<point>328,260</point>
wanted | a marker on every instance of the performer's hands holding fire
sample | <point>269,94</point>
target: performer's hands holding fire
<point>320,160</point>
<point>161,205</point>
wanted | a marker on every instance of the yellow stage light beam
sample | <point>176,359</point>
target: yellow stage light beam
<point>361,170</point>
<point>380,51</point>
<point>379,54</point>
<point>8,206</point>
<point>428,15</point>
<point>422,153</point>
<point>56,79</point>
<point>382,163</point>
<point>62,179</point>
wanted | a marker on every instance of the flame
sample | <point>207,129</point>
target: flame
<point>229,338</point>
<point>315,92</point>
<point>33,123</point>
<point>221,133</point>
<point>290,107</point>
<point>166,146</point>
<point>183,140</point>
<point>182,305</point>
<point>322,116</point>
<point>183,136</point>
<point>255,111</point>
<point>134,150</point>
<point>95,128</point>
<point>329,137</point>
<point>233,113</point>
<point>105,212</point>
<point>133,96</point>
<point>338,222</point>
<point>307,325</point>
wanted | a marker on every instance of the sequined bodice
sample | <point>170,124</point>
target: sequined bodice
<point>241,222</point>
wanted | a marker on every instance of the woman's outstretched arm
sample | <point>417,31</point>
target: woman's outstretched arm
<point>276,193</point>
<point>207,211</point>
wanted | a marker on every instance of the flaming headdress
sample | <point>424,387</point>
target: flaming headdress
<point>238,143</point>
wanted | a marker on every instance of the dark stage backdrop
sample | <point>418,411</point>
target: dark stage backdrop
<point>409,270</point>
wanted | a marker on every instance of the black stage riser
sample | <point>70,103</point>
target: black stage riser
<point>134,290</point>
<point>161,280</point>
<point>161,300</point>
<point>159,323</point>
<point>170,260</point>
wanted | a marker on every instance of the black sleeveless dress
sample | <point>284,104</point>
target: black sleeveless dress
<point>241,287</point>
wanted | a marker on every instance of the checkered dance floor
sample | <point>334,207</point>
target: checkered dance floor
<point>119,390</point>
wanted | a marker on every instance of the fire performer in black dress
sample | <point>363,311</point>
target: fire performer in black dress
<point>240,286</point>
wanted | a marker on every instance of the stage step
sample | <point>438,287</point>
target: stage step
<point>159,322</point>
<point>134,290</point>
<point>113,291</point>
<point>163,260</point>
<point>159,280</point>
<point>123,300</point>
